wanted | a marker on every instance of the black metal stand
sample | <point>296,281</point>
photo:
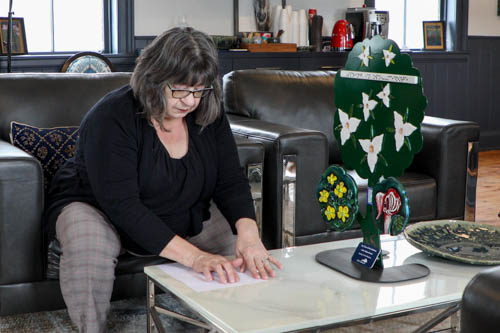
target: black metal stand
<point>9,39</point>
<point>340,260</point>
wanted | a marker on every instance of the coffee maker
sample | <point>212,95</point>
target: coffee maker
<point>368,22</point>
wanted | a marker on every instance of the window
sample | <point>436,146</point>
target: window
<point>406,17</point>
<point>75,25</point>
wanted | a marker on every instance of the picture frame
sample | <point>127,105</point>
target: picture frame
<point>19,45</point>
<point>434,35</point>
<point>244,16</point>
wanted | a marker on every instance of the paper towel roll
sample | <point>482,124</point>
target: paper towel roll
<point>295,27</point>
<point>285,26</point>
<point>288,9</point>
<point>303,28</point>
<point>275,19</point>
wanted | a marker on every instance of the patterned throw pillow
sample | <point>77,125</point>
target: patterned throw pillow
<point>51,146</point>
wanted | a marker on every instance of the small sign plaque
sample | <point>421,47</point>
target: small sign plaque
<point>384,77</point>
<point>365,255</point>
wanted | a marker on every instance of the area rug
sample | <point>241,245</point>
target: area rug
<point>129,316</point>
<point>126,316</point>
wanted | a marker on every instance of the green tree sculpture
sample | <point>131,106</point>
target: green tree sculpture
<point>380,106</point>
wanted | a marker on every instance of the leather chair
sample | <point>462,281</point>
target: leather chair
<point>291,113</point>
<point>479,309</point>
<point>50,100</point>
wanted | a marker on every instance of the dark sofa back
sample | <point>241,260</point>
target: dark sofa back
<point>302,99</point>
<point>52,99</point>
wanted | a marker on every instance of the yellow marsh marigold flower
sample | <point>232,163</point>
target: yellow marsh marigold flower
<point>340,190</point>
<point>330,213</point>
<point>331,179</point>
<point>343,213</point>
<point>324,196</point>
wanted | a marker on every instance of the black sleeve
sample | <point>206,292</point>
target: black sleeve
<point>110,145</point>
<point>232,192</point>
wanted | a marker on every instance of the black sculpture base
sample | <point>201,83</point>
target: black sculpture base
<point>340,260</point>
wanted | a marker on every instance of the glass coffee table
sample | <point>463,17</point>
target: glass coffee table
<point>307,295</point>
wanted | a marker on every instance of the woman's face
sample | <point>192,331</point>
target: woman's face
<point>179,106</point>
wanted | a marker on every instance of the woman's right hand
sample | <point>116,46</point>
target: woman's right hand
<point>180,250</point>
<point>225,269</point>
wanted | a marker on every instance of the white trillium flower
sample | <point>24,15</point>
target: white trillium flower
<point>364,56</point>
<point>384,95</point>
<point>372,148</point>
<point>388,56</point>
<point>349,125</point>
<point>368,105</point>
<point>402,130</point>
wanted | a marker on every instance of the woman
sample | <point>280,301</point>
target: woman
<point>150,158</point>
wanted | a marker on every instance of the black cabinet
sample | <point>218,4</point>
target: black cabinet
<point>331,61</point>
<point>266,61</point>
<point>230,61</point>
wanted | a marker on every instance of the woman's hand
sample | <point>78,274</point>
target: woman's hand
<point>187,254</point>
<point>249,247</point>
<point>225,269</point>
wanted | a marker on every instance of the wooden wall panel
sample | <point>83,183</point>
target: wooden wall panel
<point>484,89</point>
<point>441,74</point>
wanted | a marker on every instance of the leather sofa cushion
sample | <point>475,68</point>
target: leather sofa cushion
<point>422,194</point>
<point>55,99</point>
<point>127,263</point>
<point>420,189</point>
<point>297,99</point>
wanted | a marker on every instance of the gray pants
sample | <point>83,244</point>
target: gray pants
<point>90,246</point>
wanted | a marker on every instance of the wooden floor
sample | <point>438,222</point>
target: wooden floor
<point>488,188</point>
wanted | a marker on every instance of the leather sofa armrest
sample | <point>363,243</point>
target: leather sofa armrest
<point>251,155</point>
<point>444,157</point>
<point>249,151</point>
<point>479,309</point>
<point>21,206</point>
<point>309,151</point>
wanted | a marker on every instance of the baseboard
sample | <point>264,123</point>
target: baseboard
<point>489,140</point>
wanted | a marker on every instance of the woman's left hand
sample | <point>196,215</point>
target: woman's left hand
<point>249,247</point>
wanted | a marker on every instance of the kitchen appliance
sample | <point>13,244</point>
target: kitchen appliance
<point>342,36</point>
<point>368,22</point>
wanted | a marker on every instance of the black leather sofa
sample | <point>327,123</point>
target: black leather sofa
<point>291,113</point>
<point>479,309</point>
<point>50,100</point>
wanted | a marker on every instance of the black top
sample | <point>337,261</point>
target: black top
<point>122,168</point>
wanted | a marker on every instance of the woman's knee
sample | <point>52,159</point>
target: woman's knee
<point>83,230</point>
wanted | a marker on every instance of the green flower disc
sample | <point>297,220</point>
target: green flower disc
<point>399,220</point>
<point>337,195</point>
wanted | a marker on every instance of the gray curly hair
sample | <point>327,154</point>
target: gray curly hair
<point>177,56</point>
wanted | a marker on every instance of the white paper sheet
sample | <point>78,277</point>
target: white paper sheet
<point>198,282</point>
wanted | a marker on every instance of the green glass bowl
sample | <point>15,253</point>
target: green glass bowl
<point>468,242</point>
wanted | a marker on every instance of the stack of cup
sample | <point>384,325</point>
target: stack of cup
<point>294,24</point>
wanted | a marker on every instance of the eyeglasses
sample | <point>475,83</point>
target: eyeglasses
<point>182,93</point>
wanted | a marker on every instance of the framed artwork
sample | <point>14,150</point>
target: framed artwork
<point>18,35</point>
<point>434,35</point>
<point>251,16</point>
